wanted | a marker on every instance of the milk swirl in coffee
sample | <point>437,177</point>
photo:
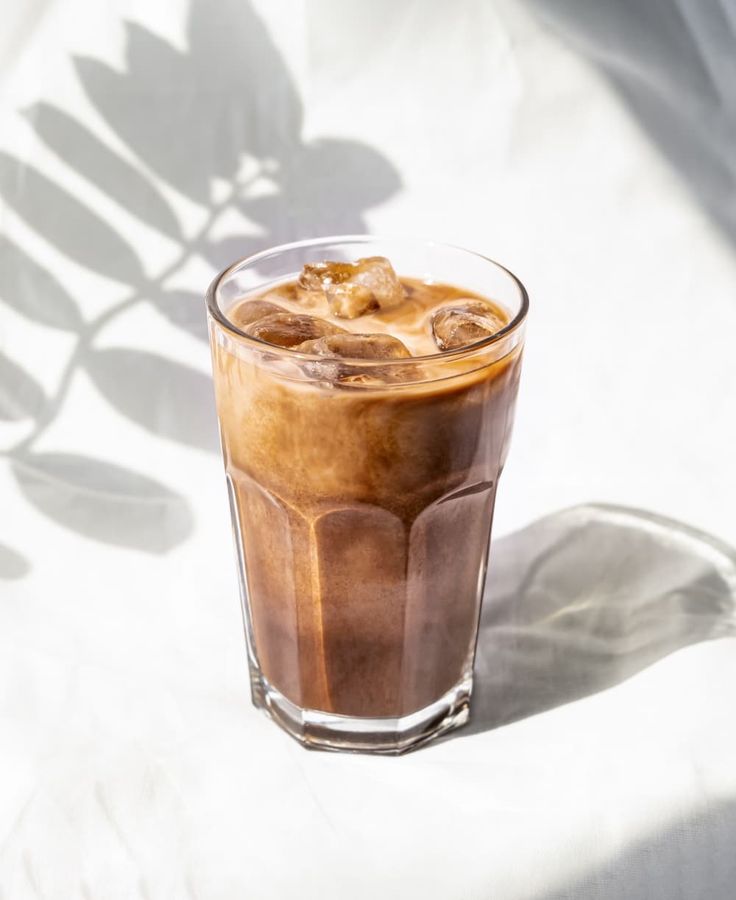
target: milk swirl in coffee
<point>364,484</point>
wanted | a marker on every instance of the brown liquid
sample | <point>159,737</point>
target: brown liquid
<point>365,515</point>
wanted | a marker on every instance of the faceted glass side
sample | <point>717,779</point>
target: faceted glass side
<point>355,613</point>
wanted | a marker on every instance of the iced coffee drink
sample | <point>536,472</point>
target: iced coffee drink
<point>365,391</point>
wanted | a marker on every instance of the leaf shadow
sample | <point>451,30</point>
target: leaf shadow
<point>104,501</point>
<point>165,397</point>
<point>584,599</point>
<point>105,168</point>
<point>182,118</point>
<point>250,107</point>
<point>34,292</point>
<point>75,229</point>
<point>12,564</point>
<point>20,394</point>
<point>190,115</point>
<point>234,85</point>
<point>182,309</point>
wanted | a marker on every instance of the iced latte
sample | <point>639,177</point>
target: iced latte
<point>365,408</point>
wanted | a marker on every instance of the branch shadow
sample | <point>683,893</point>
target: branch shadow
<point>586,598</point>
<point>187,118</point>
<point>674,63</point>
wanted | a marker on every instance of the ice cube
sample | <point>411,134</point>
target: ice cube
<point>349,300</point>
<point>464,323</point>
<point>317,276</point>
<point>353,289</point>
<point>338,347</point>
<point>253,310</point>
<point>377,274</point>
<point>357,346</point>
<point>289,330</point>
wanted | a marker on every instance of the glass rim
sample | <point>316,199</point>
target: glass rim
<point>219,316</point>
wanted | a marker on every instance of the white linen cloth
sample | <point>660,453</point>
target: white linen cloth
<point>145,145</point>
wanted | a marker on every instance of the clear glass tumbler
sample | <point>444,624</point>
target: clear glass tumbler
<point>362,512</point>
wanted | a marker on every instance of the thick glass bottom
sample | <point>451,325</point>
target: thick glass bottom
<point>356,734</point>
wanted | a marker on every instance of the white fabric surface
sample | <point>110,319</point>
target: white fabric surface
<point>587,153</point>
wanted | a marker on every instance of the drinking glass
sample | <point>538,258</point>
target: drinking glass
<point>362,509</point>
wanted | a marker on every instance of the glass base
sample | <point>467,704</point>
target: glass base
<point>356,734</point>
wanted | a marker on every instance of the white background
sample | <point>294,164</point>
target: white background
<point>586,150</point>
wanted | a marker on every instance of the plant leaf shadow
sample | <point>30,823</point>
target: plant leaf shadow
<point>189,118</point>
<point>586,598</point>
<point>104,501</point>
<point>12,564</point>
